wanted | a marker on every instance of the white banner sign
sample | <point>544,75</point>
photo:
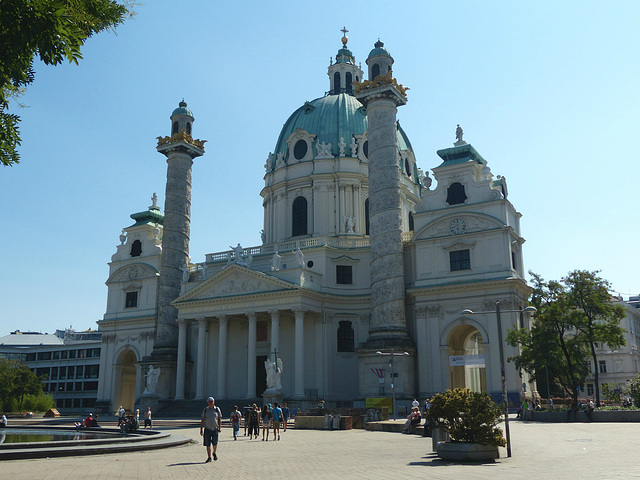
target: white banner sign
<point>466,360</point>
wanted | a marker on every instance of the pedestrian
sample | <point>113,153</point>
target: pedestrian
<point>285,417</point>
<point>254,422</point>
<point>415,404</point>
<point>266,420</point>
<point>121,413</point>
<point>234,420</point>
<point>247,415</point>
<point>277,417</point>
<point>590,408</point>
<point>3,422</point>
<point>425,413</point>
<point>147,418</point>
<point>212,424</point>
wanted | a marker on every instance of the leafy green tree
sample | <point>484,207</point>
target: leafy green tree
<point>16,381</point>
<point>573,315</point>
<point>52,30</point>
<point>633,390</point>
<point>594,314</point>
<point>551,343</point>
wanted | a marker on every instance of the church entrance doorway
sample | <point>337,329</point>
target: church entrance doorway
<point>466,359</point>
<point>125,385</point>
<point>261,374</point>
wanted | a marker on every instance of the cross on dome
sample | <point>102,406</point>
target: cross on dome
<point>345,39</point>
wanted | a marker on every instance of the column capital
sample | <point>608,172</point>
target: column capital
<point>274,313</point>
<point>182,322</point>
<point>223,318</point>
<point>252,316</point>
<point>202,321</point>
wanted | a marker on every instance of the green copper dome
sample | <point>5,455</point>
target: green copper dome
<point>182,109</point>
<point>331,117</point>
<point>345,56</point>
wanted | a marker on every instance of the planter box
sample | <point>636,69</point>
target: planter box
<point>466,452</point>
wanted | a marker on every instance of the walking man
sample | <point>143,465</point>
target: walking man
<point>212,424</point>
<point>285,417</point>
<point>277,417</point>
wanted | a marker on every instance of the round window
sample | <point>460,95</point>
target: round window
<point>310,263</point>
<point>300,149</point>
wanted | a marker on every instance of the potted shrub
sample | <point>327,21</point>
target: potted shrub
<point>470,419</point>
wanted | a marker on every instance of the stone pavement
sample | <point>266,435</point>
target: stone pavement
<point>540,450</point>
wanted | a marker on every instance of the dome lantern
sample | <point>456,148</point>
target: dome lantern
<point>344,71</point>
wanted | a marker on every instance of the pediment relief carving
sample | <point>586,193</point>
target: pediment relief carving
<point>132,273</point>
<point>236,281</point>
<point>442,226</point>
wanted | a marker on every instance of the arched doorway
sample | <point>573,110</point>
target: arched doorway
<point>466,359</point>
<point>125,387</point>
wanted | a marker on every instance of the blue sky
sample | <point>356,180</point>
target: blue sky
<point>546,91</point>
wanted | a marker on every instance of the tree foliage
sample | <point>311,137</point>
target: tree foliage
<point>16,381</point>
<point>633,390</point>
<point>468,417</point>
<point>51,30</point>
<point>573,315</point>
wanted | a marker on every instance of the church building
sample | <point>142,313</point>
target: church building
<point>365,267</point>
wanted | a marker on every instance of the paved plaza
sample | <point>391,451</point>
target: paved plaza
<point>540,450</point>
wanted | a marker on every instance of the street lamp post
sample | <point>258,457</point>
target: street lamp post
<point>503,377</point>
<point>392,384</point>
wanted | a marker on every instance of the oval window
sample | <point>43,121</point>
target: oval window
<point>300,149</point>
<point>365,149</point>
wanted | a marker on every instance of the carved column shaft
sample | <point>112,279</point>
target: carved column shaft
<point>175,244</point>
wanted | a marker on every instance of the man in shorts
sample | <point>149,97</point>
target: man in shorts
<point>277,418</point>
<point>212,424</point>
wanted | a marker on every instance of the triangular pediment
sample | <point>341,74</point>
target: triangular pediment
<point>236,280</point>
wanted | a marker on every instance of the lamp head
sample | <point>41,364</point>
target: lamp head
<point>466,311</point>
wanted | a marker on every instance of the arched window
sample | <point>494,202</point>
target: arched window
<point>299,217</point>
<point>336,82</point>
<point>411,225</point>
<point>136,248</point>
<point>375,71</point>
<point>407,168</point>
<point>455,194</point>
<point>188,128</point>
<point>365,149</point>
<point>174,129</point>
<point>345,337</point>
<point>348,81</point>
<point>366,216</point>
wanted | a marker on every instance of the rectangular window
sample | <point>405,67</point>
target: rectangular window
<point>79,371</point>
<point>71,371</point>
<point>88,386</point>
<point>460,260</point>
<point>56,355</point>
<point>81,353</point>
<point>31,357</point>
<point>72,354</point>
<point>91,371</point>
<point>63,373</point>
<point>590,389</point>
<point>344,275</point>
<point>64,354</point>
<point>603,366</point>
<point>618,366</point>
<point>131,300</point>
<point>54,373</point>
<point>44,356</point>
